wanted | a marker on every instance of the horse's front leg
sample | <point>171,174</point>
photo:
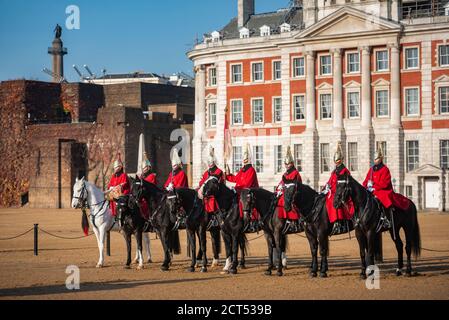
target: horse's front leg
<point>100,247</point>
<point>127,237</point>
<point>242,262</point>
<point>235,253</point>
<point>370,242</point>
<point>164,234</point>
<point>227,240</point>
<point>191,237</point>
<point>101,243</point>
<point>363,247</point>
<point>278,240</point>
<point>313,243</point>
<point>270,245</point>
<point>203,245</point>
<point>324,252</point>
<point>139,249</point>
<point>146,240</point>
<point>400,249</point>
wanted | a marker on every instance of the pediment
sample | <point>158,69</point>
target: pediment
<point>428,169</point>
<point>324,86</point>
<point>211,96</point>
<point>349,21</point>
<point>443,78</point>
<point>351,84</point>
<point>381,83</point>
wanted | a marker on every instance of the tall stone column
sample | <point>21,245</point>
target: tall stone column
<point>310,145</point>
<point>366,87</point>
<point>310,91</point>
<point>200,121</point>
<point>338,90</point>
<point>395,79</point>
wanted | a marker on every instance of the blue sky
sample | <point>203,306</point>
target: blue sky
<point>121,36</point>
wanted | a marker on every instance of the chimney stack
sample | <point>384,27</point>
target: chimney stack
<point>245,11</point>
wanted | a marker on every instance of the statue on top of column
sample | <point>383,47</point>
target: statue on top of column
<point>58,31</point>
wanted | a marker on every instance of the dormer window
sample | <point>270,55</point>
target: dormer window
<point>265,31</point>
<point>215,36</point>
<point>285,27</point>
<point>244,33</point>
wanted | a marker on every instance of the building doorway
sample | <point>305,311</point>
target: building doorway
<point>431,193</point>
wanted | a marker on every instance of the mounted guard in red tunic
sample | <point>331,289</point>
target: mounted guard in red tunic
<point>149,176</point>
<point>210,203</point>
<point>338,217</point>
<point>177,178</point>
<point>118,185</point>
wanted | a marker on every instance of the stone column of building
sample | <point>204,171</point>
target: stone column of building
<point>218,142</point>
<point>310,146</point>
<point>337,112</point>
<point>286,101</point>
<point>366,147</point>
<point>395,141</point>
<point>200,122</point>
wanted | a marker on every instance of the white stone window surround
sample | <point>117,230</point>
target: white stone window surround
<point>294,96</point>
<point>404,59</point>
<point>252,71</point>
<point>210,105</point>
<point>325,89</point>
<point>231,73</point>
<point>273,104</point>
<point>278,159</point>
<point>440,82</point>
<point>244,33</point>
<point>353,160</point>
<point>348,113</point>
<point>444,43</point>
<point>265,31</point>
<point>285,27</point>
<point>404,103</point>
<point>292,63</point>
<point>209,83</point>
<point>381,85</point>
<point>273,71</point>
<point>376,70</point>
<point>346,67</point>
<point>252,111</point>
<point>331,66</point>
<point>408,140</point>
<point>232,122</point>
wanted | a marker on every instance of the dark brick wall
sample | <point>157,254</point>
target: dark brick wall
<point>82,100</point>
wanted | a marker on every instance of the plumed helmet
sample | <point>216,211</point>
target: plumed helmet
<point>288,156</point>
<point>175,159</point>
<point>211,160</point>
<point>118,163</point>
<point>247,154</point>
<point>146,163</point>
<point>379,154</point>
<point>338,156</point>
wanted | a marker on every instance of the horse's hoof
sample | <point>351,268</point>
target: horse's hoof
<point>268,272</point>
<point>323,275</point>
<point>224,272</point>
<point>191,269</point>
<point>203,269</point>
<point>280,273</point>
<point>127,267</point>
<point>398,273</point>
<point>215,263</point>
<point>274,268</point>
<point>149,261</point>
<point>313,274</point>
<point>99,265</point>
<point>135,261</point>
<point>140,267</point>
<point>233,271</point>
<point>363,276</point>
<point>164,268</point>
<point>242,266</point>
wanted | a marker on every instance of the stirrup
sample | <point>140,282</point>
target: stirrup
<point>336,229</point>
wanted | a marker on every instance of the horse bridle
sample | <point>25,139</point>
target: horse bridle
<point>288,186</point>
<point>81,197</point>
<point>347,190</point>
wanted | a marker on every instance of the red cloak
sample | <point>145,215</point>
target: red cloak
<point>178,178</point>
<point>290,176</point>
<point>344,213</point>
<point>119,179</point>
<point>210,203</point>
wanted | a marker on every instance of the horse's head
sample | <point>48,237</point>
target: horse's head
<point>79,199</point>
<point>211,187</point>
<point>174,202</point>
<point>248,200</point>
<point>137,189</point>
<point>289,195</point>
<point>342,193</point>
<point>122,208</point>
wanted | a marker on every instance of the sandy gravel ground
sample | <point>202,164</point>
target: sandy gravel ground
<point>24,276</point>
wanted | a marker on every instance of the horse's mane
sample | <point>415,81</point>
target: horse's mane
<point>262,192</point>
<point>151,187</point>
<point>306,191</point>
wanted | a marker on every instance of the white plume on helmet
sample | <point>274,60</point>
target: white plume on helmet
<point>247,154</point>
<point>339,156</point>
<point>211,160</point>
<point>288,156</point>
<point>379,153</point>
<point>175,159</point>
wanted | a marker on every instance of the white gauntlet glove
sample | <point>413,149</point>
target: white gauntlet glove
<point>370,186</point>
<point>170,187</point>
<point>326,189</point>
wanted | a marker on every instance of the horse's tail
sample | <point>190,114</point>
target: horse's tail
<point>378,248</point>
<point>85,223</point>
<point>415,232</point>
<point>175,245</point>
<point>216,236</point>
<point>244,244</point>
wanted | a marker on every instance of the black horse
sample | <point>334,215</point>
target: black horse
<point>131,223</point>
<point>197,222</point>
<point>232,226</point>
<point>265,202</point>
<point>312,206</point>
<point>368,214</point>
<point>161,218</point>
